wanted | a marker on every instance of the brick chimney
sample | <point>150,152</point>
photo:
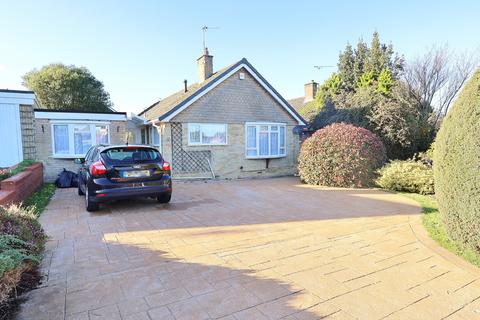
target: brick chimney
<point>310,91</point>
<point>205,66</point>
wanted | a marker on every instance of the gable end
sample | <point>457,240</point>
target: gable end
<point>227,74</point>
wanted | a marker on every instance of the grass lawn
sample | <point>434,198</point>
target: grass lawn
<point>434,225</point>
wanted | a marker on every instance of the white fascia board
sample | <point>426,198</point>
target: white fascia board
<point>79,116</point>
<point>17,98</point>
<point>136,118</point>
<point>223,78</point>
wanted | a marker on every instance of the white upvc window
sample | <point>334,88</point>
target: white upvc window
<point>70,140</point>
<point>265,140</point>
<point>207,134</point>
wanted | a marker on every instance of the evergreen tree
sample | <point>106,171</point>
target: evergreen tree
<point>360,60</point>
<point>346,67</point>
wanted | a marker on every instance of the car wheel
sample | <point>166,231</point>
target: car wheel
<point>91,206</point>
<point>164,198</point>
<point>80,192</point>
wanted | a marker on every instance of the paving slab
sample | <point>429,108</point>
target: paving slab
<point>248,249</point>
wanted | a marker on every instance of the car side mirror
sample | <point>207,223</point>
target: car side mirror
<point>79,161</point>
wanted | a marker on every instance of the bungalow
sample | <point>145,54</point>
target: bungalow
<point>231,124</point>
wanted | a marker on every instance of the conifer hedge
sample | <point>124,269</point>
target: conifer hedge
<point>457,166</point>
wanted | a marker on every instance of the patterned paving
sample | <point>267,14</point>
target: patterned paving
<point>252,249</point>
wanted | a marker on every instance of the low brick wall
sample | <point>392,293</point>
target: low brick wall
<point>19,187</point>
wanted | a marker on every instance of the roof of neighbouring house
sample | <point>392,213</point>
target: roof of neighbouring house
<point>173,104</point>
<point>308,110</point>
<point>297,103</point>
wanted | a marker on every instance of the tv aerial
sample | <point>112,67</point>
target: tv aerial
<point>323,67</point>
<point>204,30</point>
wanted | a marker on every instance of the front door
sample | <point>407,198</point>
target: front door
<point>156,138</point>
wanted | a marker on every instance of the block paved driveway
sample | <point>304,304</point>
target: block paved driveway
<point>251,249</point>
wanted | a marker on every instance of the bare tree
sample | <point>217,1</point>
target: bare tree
<point>436,78</point>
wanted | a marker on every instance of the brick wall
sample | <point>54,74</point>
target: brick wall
<point>229,160</point>
<point>19,187</point>
<point>53,166</point>
<point>27,124</point>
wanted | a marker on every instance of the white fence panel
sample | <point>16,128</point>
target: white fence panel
<point>10,135</point>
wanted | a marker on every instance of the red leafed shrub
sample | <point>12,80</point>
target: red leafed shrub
<point>341,155</point>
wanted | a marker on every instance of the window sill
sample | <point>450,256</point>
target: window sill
<point>208,145</point>
<point>67,156</point>
<point>265,157</point>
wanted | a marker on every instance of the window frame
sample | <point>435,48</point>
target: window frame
<point>71,141</point>
<point>192,143</point>
<point>257,126</point>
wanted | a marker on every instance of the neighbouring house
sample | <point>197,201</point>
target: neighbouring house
<point>306,105</point>
<point>231,124</point>
<point>62,136</point>
<point>16,126</point>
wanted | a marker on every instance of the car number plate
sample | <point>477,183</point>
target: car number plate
<point>136,174</point>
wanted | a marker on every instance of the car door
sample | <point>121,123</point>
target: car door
<point>82,173</point>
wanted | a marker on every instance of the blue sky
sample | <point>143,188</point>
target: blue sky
<point>143,50</point>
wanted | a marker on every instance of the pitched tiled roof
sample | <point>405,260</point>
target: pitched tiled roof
<point>308,110</point>
<point>297,103</point>
<point>171,104</point>
<point>163,106</point>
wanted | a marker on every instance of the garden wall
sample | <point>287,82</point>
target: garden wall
<point>19,187</point>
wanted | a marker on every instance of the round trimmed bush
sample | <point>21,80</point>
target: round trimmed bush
<point>341,155</point>
<point>409,176</point>
<point>457,166</point>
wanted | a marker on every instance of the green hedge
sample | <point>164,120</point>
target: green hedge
<point>457,166</point>
<point>409,176</point>
<point>341,155</point>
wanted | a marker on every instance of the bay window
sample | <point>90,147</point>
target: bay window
<point>264,140</point>
<point>74,139</point>
<point>207,134</point>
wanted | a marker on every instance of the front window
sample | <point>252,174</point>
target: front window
<point>74,140</point>
<point>82,138</point>
<point>265,140</point>
<point>207,134</point>
<point>60,139</point>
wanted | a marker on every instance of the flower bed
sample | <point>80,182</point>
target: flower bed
<point>17,188</point>
<point>22,242</point>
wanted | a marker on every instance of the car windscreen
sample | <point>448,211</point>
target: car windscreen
<point>131,155</point>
